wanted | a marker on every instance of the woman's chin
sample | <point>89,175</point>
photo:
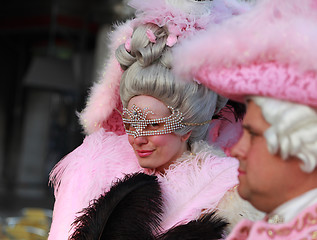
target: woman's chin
<point>144,164</point>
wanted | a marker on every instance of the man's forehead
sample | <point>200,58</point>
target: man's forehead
<point>254,118</point>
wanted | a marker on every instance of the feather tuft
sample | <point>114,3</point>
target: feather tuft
<point>130,210</point>
<point>208,227</point>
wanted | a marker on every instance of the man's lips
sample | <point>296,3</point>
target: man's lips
<point>241,172</point>
<point>144,153</point>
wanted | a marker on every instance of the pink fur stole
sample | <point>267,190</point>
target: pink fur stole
<point>86,173</point>
<point>195,186</point>
<point>195,183</point>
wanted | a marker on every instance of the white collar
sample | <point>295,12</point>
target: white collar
<point>290,209</point>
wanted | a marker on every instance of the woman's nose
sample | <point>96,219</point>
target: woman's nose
<point>140,140</point>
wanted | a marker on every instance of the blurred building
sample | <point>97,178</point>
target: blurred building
<point>50,51</point>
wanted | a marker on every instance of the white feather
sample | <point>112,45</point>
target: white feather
<point>191,6</point>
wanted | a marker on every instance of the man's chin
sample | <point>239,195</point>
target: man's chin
<point>242,192</point>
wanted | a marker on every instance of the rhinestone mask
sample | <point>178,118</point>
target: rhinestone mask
<point>138,125</point>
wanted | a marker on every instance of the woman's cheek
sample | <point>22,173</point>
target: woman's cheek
<point>160,140</point>
<point>131,139</point>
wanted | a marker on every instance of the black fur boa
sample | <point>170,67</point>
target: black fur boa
<point>132,210</point>
<point>209,227</point>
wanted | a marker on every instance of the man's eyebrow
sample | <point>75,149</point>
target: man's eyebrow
<point>247,127</point>
<point>252,130</point>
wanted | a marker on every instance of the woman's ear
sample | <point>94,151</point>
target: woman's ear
<point>185,137</point>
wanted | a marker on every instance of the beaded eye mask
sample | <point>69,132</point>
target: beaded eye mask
<point>138,125</point>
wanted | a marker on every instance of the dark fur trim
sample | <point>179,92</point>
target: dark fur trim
<point>209,227</point>
<point>130,210</point>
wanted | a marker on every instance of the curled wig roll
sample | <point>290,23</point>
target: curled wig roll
<point>293,130</point>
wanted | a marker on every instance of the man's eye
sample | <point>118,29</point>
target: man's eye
<point>253,134</point>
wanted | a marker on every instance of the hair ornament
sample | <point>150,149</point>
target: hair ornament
<point>171,40</point>
<point>151,36</point>
<point>181,17</point>
<point>196,80</point>
<point>127,44</point>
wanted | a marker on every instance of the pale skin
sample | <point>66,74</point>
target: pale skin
<point>265,179</point>
<point>156,152</point>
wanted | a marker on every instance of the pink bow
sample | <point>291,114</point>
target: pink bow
<point>171,40</point>
<point>127,45</point>
<point>151,36</point>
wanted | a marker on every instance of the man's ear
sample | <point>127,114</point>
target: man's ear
<point>185,137</point>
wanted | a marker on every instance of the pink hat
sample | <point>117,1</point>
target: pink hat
<point>269,51</point>
<point>182,17</point>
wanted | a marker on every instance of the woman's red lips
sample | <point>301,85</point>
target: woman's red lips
<point>144,153</point>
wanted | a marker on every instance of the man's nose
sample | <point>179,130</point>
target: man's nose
<point>239,150</point>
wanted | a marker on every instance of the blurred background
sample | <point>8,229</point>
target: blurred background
<point>51,51</point>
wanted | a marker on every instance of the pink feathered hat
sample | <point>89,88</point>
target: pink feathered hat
<point>183,18</point>
<point>269,51</point>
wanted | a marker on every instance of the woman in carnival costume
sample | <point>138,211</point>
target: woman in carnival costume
<point>165,122</point>
<point>270,62</point>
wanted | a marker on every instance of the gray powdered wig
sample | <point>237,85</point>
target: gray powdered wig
<point>148,71</point>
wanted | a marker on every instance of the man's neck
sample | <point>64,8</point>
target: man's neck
<point>290,209</point>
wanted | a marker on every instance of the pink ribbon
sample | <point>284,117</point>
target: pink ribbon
<point>127,45</point>
<point>151,36</point>
<point>171,40</point>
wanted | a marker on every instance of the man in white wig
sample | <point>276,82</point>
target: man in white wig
<point>267,58</point>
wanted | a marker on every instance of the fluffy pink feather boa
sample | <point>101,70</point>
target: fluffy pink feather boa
<point>195,183</point>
